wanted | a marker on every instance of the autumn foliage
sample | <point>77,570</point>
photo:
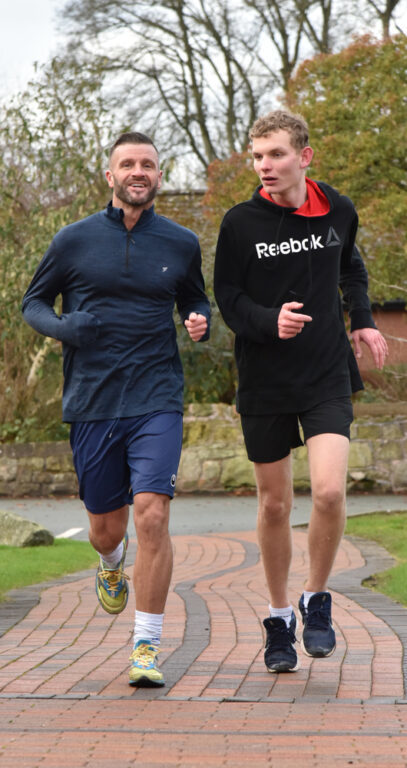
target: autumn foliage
<point>356,106</point>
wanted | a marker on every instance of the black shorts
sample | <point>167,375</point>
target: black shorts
<point>270,437</point>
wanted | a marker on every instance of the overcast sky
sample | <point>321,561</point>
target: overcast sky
<point>28,34</point>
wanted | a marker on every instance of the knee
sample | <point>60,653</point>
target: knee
<point>103,540</point>
<point>273,509</point>
<point>150,518</point>
<point>106,531</point>
<point>329,498</point>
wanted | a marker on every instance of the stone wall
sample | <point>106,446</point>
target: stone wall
<point>37,469</point>
<point>214,457</point>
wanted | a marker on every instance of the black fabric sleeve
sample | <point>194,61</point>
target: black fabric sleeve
<point>245,317</point>
<point>353,282</point>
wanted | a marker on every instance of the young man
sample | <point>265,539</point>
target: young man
<point>279,261</point>
<point>120,272</point>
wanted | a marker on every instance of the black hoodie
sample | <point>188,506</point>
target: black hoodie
<point>268,255</point>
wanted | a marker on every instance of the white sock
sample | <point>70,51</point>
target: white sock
<point>307,598</point>
<point>148,626</point>
<point>282,613</point>
<point>113,559</point>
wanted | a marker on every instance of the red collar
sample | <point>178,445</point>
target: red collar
<point>316,204</point>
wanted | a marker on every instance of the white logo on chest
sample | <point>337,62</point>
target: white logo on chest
<point>288,246</point>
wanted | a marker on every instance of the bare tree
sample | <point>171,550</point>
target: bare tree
<point>195,73</point>
<point>188,76</point>
<point>319,26</point>
<point>282,24</point>
<point>385,11</point>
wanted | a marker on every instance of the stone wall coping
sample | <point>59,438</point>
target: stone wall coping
<point>214,458</point>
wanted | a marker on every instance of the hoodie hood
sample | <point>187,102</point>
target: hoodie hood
<point>316,204</point>
<point>322,200</point>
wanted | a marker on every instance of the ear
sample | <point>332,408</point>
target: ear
<point>306,156</point>
<point>160,176</point>
<point>109,177</point>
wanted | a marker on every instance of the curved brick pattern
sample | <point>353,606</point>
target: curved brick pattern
<point>65,701</point>
<point>213,635</point>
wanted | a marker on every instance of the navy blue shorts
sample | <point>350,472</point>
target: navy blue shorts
<point>270,437</point>
<point>118,458</point>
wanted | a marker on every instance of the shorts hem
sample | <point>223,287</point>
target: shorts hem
<point>100,511</point>
<point>343,433</point>
<point>167,492</point>
<point>270,461</point>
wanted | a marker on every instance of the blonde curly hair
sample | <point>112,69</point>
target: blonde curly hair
<point>282,120</point>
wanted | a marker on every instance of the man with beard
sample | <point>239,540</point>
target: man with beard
<point>120,272</point>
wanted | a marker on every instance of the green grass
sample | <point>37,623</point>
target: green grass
<point>23,566</point>
<point>389,529</point>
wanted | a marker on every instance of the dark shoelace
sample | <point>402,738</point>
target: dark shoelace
<point>280,641</point>
<point>318,619</point>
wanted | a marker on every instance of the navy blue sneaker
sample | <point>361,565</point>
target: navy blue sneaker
<point>280,654</point>
<point>318,637</point>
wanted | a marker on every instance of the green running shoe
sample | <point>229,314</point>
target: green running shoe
<point>144,670</point>
<point>111,584</point>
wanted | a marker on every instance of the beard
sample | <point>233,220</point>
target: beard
<point>125,196</point>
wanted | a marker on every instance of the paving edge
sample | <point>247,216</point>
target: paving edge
<point>372,701</point>
<point>349,583</point>
<point>19,602</point>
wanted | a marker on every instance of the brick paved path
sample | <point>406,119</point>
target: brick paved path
<point>65,701</point>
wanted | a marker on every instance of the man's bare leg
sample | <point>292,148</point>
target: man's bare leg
<point>151,578</point>
<point>328,461</point>
<point>107,530</point>
<point>106,534</point>
<point>274,489</point>
<point>328,458</point>
<point>154,559</point>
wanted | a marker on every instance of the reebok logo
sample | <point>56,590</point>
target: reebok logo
<point>264,250</point>
<point>332,238</point>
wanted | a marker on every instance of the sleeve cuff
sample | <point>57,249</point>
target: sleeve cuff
<point>361,318</point>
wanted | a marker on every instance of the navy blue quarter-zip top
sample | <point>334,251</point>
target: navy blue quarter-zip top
<point>119,288</point>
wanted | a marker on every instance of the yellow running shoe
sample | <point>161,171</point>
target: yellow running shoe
<point>111,584</point>
<point>144,670</point>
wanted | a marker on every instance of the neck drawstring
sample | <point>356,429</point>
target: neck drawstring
<point>272,261</point>
<point>309,261</point>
